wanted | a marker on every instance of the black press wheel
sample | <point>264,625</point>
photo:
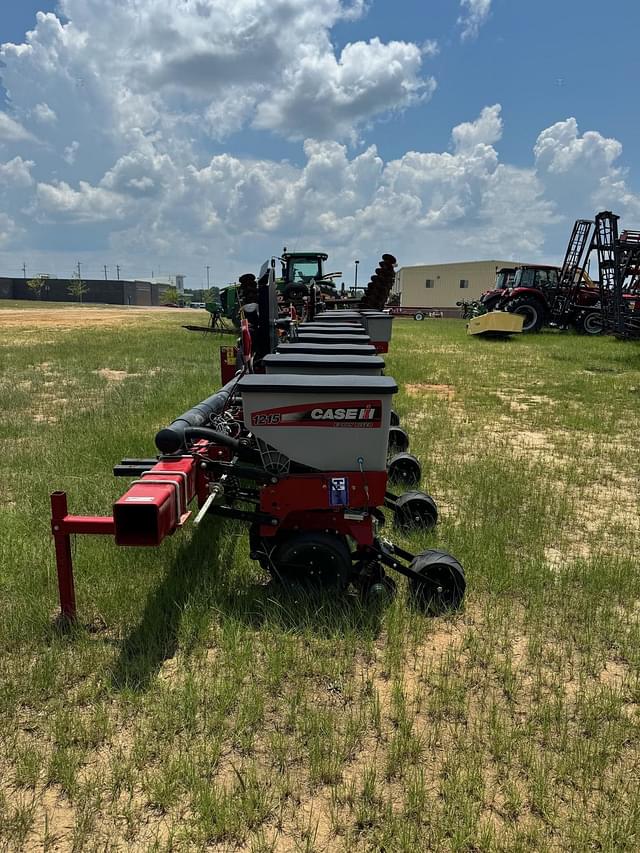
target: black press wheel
<point>531,309</point>
<point>312,560</point>
<point>381,590</point>
<point>398,440</point>
<point>395,418</point>
<point>589,323</point>
<point>442,584</point>
<point>415,511</point>
<point>403,469</point>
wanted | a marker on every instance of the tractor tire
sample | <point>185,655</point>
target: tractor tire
<point>398,440</point>
<point>442,584</point>
<point>403,469</point>
<point>312,561</point>
<point>532,310</point>
<point>589,323</point>
<point>395,418</point>
<point>415,511</point>
<point>295,293</point>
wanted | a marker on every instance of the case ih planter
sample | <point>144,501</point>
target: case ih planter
<point>301,456</point>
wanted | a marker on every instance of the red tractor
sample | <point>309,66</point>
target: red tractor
<point>563,297</point>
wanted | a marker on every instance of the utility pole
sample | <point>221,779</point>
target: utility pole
<point>105,272</point>
<point>355,280</point>
<point>118,271</point>
<point>24,269</point>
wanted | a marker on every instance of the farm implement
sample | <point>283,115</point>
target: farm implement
<point>566,297</point>
<point>302,444</point>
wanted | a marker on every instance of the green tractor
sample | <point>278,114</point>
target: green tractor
<point>299,269</point>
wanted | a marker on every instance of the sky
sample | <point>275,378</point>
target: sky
<point>166,136</point>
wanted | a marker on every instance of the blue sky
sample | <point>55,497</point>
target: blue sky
<point>168,139</point>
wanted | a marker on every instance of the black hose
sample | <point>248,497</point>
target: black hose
<point>171,438</point>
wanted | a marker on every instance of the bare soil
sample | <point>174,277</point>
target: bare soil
<point>76,316</point>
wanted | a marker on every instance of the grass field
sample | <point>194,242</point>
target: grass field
<point>193,709</point>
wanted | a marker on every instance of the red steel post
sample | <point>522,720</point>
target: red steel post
<point>64,561</point>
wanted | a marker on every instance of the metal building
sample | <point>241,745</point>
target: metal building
<point>437,287</point>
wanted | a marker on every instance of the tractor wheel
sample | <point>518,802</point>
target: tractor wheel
<point>295,293</point>
<point>442,584</point>
<point>403,469</point>
<point>398,440</point>
<point>418,316</point>
<point>395,418</point>
<point>415,511</point>
<point>312,560</point>
<point>531,309</point>
<point>589,323</point>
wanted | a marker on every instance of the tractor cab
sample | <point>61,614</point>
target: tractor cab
<point>537,277</point>
<point>299,269</point>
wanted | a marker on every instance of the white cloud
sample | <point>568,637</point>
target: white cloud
<point>474,14</point>
<point>581,171</point>
<point>11,130</point>
<point>156,64</point>
<point>16,172</point>
<point>9,231</point>
<point>60,203</point>
<point>486,129</point>
<point>43,113</point>
<point>70,152</point>
<point>328,96</point>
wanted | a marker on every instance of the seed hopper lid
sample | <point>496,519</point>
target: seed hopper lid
<point>372,361</point>
<point>289,383</point>
<point>328,349</point>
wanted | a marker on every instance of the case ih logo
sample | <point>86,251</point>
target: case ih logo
<point>362,414</point>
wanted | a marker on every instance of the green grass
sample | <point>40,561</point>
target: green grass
<point>192,710</point>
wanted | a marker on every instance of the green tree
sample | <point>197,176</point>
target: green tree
<point>170,295</point>
<point>36,285</point>
<point>77,287</point>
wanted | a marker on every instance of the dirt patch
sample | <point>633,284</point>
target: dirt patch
<point>447,392</point>
<point>115,375</point>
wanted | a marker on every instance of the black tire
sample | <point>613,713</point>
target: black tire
<point>442,583</point>
<point>589,322</point>
<point>403,469</point>
<point>313,561</point>
<point>381,590</point>
<point>532,310</point>
<point>395,418</point>
<point>295,293</point>
<point>415,511</point>
<point>398,440</point>
<point>418,316</point>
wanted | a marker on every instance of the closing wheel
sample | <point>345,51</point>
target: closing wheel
<point>442,584</point>
<point>398,440</point>
<point>381,590</point>
<point>403,469</point>
<point>395,418</point>
<point>312,560</point>
<point>415,511</point>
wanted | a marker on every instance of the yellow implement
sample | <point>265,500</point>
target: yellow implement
<point>496,324</point>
